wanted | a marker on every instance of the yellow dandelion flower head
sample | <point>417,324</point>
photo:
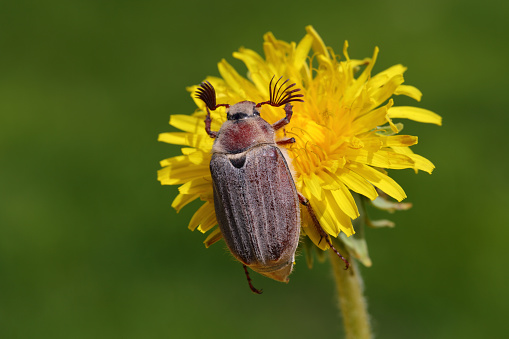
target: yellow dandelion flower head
<point>345,136</point>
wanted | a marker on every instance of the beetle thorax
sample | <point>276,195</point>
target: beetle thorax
<point>243,129</point>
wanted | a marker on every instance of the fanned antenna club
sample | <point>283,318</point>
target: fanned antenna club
<point>207,94</point>
<point>278,96</point>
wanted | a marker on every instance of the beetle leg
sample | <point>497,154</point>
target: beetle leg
<point>249,281</point>
<point>304,201</point>
<point>208,120</point>
<point>285,141</point>
<point>286,119</point>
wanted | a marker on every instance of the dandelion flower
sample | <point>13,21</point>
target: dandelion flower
<point>345,136</point>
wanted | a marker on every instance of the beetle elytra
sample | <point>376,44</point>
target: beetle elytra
<point>255,198</point>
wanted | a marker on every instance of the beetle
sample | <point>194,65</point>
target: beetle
<point>255,198</point>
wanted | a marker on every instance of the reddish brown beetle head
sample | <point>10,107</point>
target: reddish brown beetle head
<point>248,109</point>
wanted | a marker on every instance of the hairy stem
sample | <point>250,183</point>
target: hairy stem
<point>350,296</point>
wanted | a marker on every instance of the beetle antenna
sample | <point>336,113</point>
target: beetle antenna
<point>279,96</point>
<point>207,94</point>
<point>249,281</point>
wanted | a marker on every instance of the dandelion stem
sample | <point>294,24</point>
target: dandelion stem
<point>350,296</point>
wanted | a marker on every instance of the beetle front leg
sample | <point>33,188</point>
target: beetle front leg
<point>304,201</point>
<point>208,120</point>
<point>286,120</point>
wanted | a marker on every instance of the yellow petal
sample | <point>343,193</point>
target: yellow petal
<point>369,121</point>
<point>302,52</point>
<point>177,176</point>
<point>345,201</point>
<point>381,78</point>
<point>409,91</point>
<point>353,90</point>
<point>279,45</point>
<point>342,220</point>
<point>197,186</point>
<point>178,161</point>
<point>208,223</point>
<point>394,128</point>
<point>187,123</point>
<point>328,180</point>
<point>238,84</point>
<point>177,138</point>
<point>163,175</point>
<point>416,114</point>
<point>389,141</point>
<point>309,229</point>
<point>380,94</point>
<point>199,158</point>
<point>381,158</point>
<point>318,45</point>
<point>259,72</point>
<point>327,221</point>
<point>188,139</point>
<point>380,180</point>
<point>202,214</point>
<point>357,183</point>
<point>183,199</point>
<point>213,237</point>
<point>313,184</point>
<point>420,162</point>
<point>187,151</point>
<point>340,193</point>
<point>400,140</point>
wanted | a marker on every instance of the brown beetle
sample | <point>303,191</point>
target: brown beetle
<point>255,198</point>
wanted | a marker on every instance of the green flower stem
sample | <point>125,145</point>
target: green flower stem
<point>350,296</point>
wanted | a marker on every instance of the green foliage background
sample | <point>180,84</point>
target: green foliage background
<point>89,245</point>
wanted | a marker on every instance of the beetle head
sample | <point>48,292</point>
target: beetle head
<point>243,110</point>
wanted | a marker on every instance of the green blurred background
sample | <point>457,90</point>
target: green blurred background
<point>89,245</point>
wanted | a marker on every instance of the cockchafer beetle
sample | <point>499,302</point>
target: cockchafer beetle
<point>255,198</point>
